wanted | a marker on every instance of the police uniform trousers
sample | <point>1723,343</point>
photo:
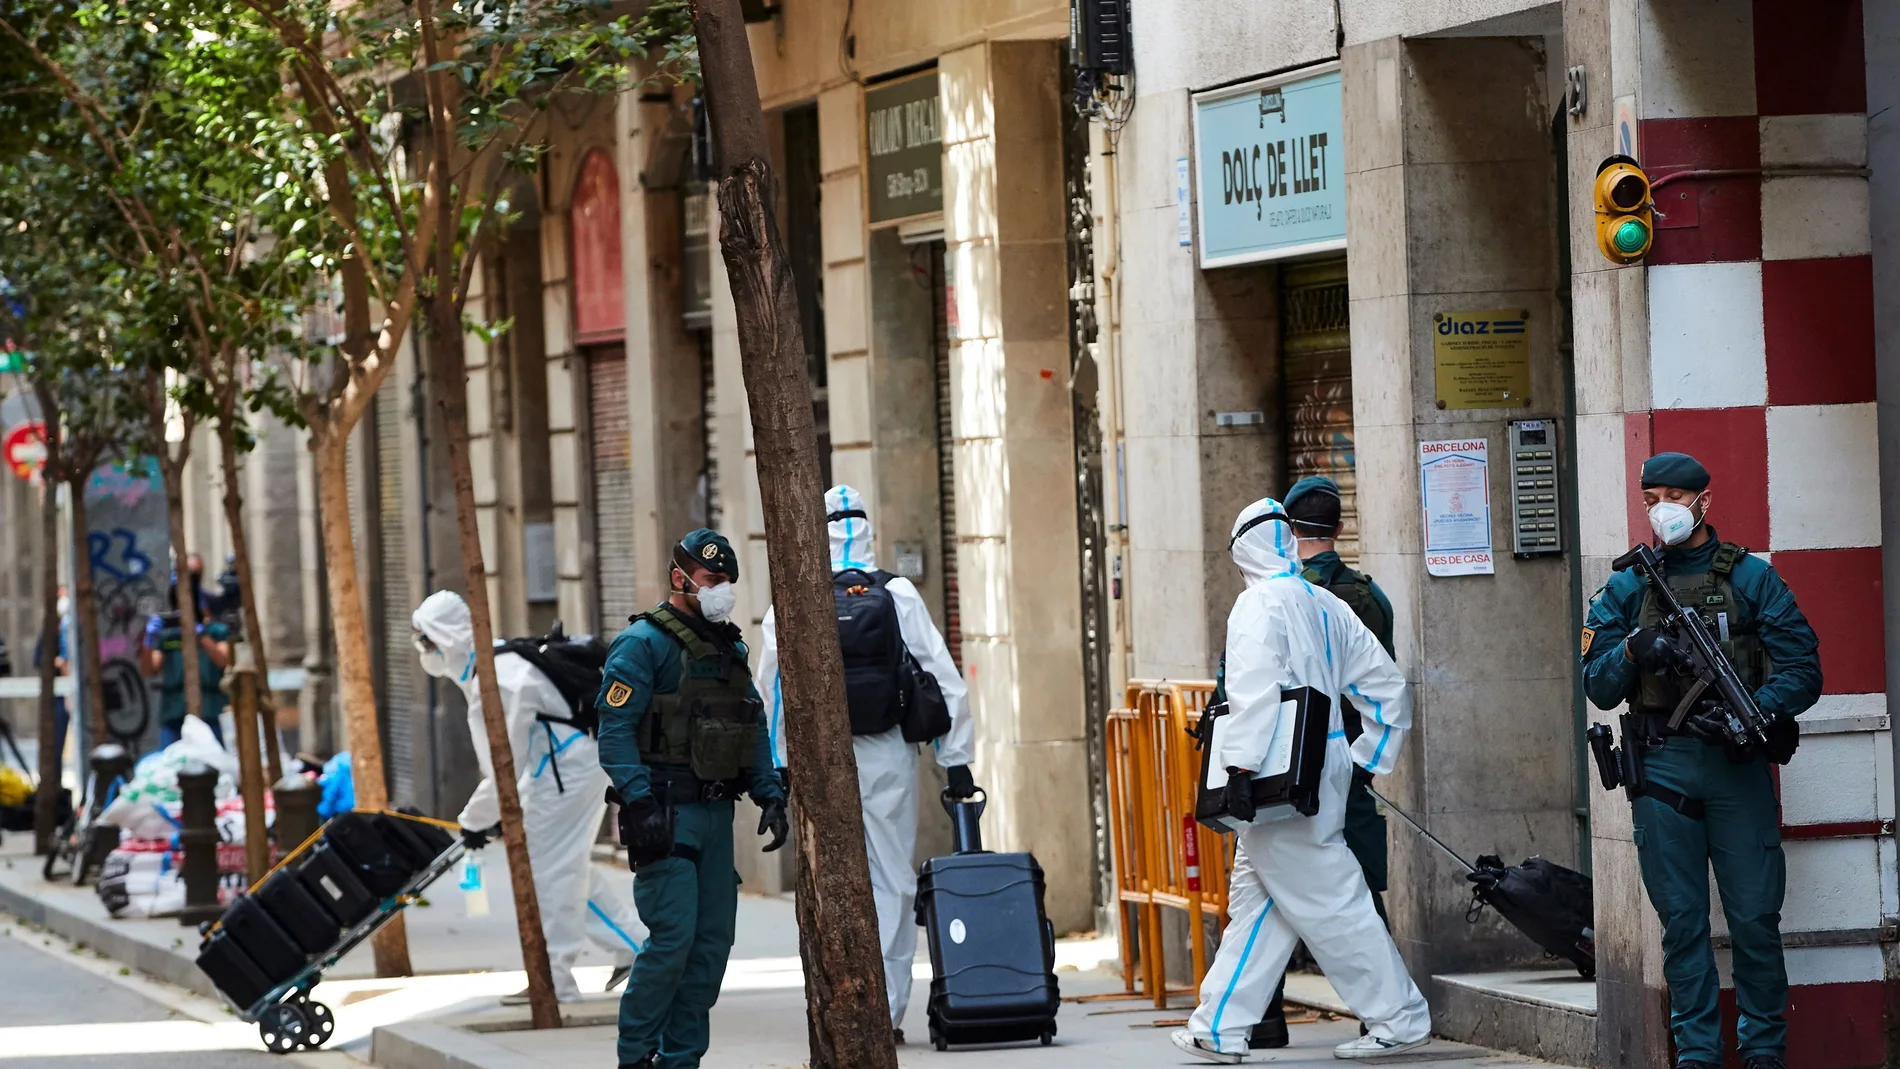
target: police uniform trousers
<point>1740,835</point>
<point>689,901</point>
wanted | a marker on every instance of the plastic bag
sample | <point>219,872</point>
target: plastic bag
<point>339,787</point>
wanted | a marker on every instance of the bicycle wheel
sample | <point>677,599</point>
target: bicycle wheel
<point>59,859</point>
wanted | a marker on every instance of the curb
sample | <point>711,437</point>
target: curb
<point>154,961</point>
<point>439,1045</point>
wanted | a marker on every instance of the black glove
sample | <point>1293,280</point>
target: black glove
<point>1239,795</point>
<point>646,830</point>
<point>961,786</point>
<point>785,780</point>
<point>1652,650</point>
<point>772,818</point>
<point>1711,722</point>
<point>475,840</point>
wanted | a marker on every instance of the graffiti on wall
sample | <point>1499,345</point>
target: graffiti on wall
<point>128,544</point>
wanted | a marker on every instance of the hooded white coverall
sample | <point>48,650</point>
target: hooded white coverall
<point>887,765</point>
<point>1294,878</point>
<point>563,792</point>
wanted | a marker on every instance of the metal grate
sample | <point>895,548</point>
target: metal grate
<point>946,454</point>
<point>396,662</point>
<point>1317,348</point>
<point>614,566</point>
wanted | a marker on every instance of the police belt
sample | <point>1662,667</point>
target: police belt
<point>1655,728</point>
<point>678,786</point>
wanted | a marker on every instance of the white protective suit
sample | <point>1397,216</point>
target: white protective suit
<point>563,791</point>
<point>887,765</point>
<point>1294,878</point>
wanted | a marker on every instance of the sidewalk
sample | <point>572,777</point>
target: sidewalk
<point>447,1016</point>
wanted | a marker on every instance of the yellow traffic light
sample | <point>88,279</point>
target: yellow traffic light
<point>1626,223</point>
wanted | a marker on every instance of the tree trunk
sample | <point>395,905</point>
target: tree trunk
<point>449,382</point>
<point>86,608</point>
<point>46,800</point>
<point>187,605</point>
<point>253,622</point>
<point>355,687</point>
<point>847,1011</point>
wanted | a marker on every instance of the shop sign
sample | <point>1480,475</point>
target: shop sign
<point>904,140</point>
<point>1455,487</point>
<point>1271,159</point>
<point>1482,359</point>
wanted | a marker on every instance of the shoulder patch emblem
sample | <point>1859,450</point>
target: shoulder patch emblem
<point>1589,636</point>
<point>618,693</point>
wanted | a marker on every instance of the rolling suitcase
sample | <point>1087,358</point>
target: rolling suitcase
<point>331,880</point>
<point>1551,904</point>
<point>288,902</point>
<point>992,949</point>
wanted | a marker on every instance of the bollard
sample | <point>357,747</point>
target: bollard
<point>297,798</point>
<point>198,789</point>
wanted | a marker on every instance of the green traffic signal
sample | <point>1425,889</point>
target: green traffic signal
<point>1631,236</point>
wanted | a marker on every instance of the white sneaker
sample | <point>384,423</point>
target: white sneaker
<point>1374,1047</point>
<point>1185,1040</point>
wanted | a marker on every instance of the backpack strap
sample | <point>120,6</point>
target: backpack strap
<point>1727,556</point>
<point>1311,575</point>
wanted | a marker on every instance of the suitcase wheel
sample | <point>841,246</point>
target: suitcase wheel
<point>937,1040</point>
<point>1048,1038</point>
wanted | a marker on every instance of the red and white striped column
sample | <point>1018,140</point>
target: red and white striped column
<point>1761,345</point>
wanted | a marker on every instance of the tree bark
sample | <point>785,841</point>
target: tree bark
<point>46,799</point>
<point>253,621</point>
<point>847,1012</point>
<point>86,607</point>
<point>355,687</point>
<point>449,382</point>
<point>173,472</point>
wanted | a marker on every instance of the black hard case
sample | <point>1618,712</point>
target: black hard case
<point>992,949</point>
<point>331,880</point>
<point>1298,786</point>
<point>264,941</point>
<point>380,858</point>
<point>232,970</point>
<point>298,912</point>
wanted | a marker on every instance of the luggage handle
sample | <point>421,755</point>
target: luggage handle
<point>965,816</point>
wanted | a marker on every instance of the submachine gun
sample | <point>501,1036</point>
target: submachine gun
<point>1700,660</point>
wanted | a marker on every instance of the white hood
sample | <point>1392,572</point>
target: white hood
<point>443,616</point>
<point>1267,550</point>
<point>851,535</point>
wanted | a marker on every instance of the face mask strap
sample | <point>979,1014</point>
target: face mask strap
<point>1257,521</point>
<point>845,514</point>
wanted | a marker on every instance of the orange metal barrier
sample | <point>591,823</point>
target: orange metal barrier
<point>1163,858</point>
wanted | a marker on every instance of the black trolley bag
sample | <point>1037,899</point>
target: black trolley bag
<point>992,948</point>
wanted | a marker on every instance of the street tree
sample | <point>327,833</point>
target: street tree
<point>846,1009</point>
<point>408,219</point>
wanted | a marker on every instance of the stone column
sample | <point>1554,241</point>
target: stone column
<point>1017,558</point>
<point>1449,195</point>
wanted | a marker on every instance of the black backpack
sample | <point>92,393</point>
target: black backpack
<point>574,667</point>
<point>1553,905</point>
<point>873,647</point>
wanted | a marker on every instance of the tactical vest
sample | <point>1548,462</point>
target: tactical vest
<point>1356,592</point>
<point>711,724</point>
<point>1730,619</point>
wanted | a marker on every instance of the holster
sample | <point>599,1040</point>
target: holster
<point>1638,738</point>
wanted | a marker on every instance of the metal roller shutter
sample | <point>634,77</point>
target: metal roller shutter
<point>397,666</point>
<point>946,457</point>
<point>1317,350</point>
<point>611,463</point>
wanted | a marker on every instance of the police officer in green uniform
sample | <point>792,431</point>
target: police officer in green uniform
<point>1706,801</point>
<point>681,737</point>
<point>1313,504</point>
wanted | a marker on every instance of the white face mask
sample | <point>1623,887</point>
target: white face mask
<point>65,606</point>
<point>1674,521</point>
<point>716,602</point>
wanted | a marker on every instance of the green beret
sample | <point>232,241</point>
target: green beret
<point>707,548</point>
<point>1309,485</point>
<point>1679,470</point>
